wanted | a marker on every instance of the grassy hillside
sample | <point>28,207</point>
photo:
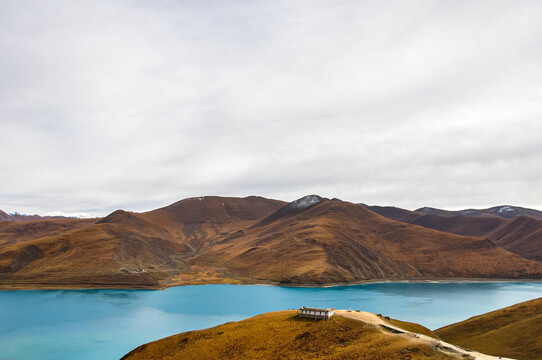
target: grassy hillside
<point>338,242</point>
<point>514,331</point>
<point>281,335</point>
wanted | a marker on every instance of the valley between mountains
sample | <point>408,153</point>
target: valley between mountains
<point>311,241</point>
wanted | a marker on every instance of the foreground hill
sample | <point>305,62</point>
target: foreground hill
<point>282,335</point>
<point>519,234</point>
<point>513,331</point>
<point>248,240</point>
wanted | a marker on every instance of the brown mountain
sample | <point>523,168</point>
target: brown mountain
<point>521,235</point>
<point>22,217</point>
<point>504,211</point>
<point>4,216</point>
<point>123,249</point>
<point>313,241</point>
<point>17,217</point>
<point>283,335</point>
<point>20,231</point>
<point>216,239</point>
<point>512,332</point>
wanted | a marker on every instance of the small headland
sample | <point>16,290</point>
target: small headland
<point>286,335</point>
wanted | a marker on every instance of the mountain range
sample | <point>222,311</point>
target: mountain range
<point>17,217</point>
<point>54,215</point>
<point>311,241</point>
<point>515,229</point>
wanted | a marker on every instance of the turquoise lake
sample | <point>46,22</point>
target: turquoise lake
<point>106,324</point>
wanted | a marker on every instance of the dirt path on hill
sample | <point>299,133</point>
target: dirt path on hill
<point>435,343</point>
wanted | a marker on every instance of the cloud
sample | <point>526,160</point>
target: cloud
<point>134,105</point>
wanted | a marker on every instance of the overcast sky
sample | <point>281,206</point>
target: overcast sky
<point>138,104</point>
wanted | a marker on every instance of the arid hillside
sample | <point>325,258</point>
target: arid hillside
<point>19,231</point>
<point>521,235</point>
<point>243,240</point>
<point>283,335</point>
<point>124,249</point>
<point>512,332</point>
<point>319,241</point>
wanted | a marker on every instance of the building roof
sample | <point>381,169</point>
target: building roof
<point>316,309</point>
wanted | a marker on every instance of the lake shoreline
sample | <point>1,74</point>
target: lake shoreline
<point>106,324</point>
<point>277,284</point>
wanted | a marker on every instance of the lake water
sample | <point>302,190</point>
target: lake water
<point>106,324</point>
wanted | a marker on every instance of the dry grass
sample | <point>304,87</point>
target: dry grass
<point>514,331</point>
<point>281,335</point>
<point>340,242</point>
<point>413,327</point>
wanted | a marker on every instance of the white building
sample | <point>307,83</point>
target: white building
<point>313,313</point>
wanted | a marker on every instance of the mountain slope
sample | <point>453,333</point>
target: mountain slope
<point>123,249</point>
<point>282,335</point>
<point>521,235</point>
<point>98,255</point>
<point>336,241</point>
<point>18,217</point>
<point>250,240</point>
<point>18,231</point>
<point>513,331</point>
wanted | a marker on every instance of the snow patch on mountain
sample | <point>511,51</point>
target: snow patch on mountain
<point>305,202</point>
<point>505,209</point>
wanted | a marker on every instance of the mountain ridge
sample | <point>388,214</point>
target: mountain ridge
<point>504,211</point>
<point>25,217</point>
<point>310,241</point>
<point>521,235</point>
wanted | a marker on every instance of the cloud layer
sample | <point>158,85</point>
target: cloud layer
<point>137,104</point>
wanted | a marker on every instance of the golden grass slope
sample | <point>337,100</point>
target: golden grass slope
<point>282,335</point>
<point>91,256</point>
<point>515,331</point>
